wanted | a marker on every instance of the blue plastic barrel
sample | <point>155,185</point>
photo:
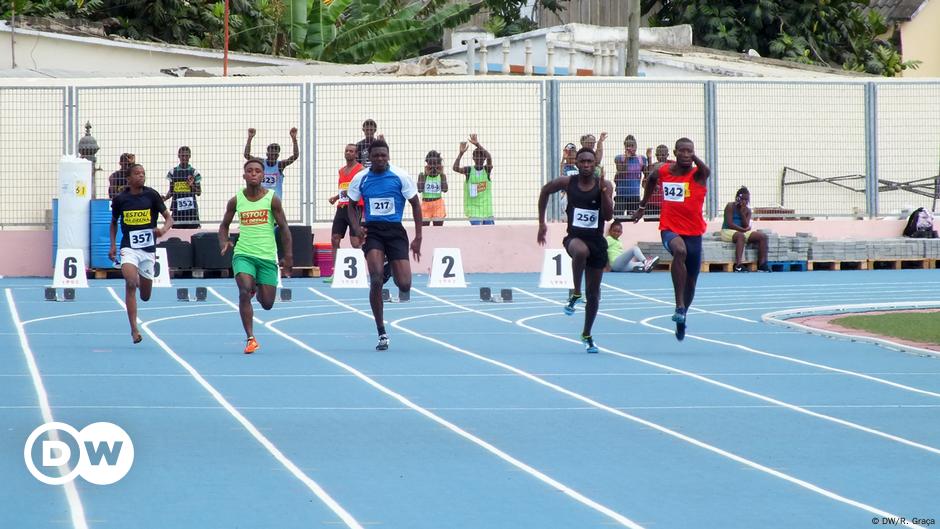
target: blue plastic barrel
<point>55,228</point>
<point>99,235</point>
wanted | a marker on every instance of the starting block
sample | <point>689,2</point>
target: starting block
<point>51,294</point>
<point>182,294</point>
<point>504,296</point>
<point>286,294</point>
<point>201,293</point>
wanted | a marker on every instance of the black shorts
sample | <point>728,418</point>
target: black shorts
<point>693,250</point>
<point>341,223</point>
<point>390,237</point>
<point>597,250</point>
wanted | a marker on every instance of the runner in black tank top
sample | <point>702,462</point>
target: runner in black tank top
<point>590,204</point>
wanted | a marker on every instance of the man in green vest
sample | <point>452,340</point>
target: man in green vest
<point>478,188</point>
<point>255,259</point>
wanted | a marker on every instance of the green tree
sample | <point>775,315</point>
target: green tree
<point>506,16</point>
<point>836,33</point>
<point>362,31</point>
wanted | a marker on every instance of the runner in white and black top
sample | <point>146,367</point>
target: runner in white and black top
<point>137,208</point>
<point>590,204</point>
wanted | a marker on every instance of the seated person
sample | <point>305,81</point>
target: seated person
<point>618,260</point>
<point>736,228</point>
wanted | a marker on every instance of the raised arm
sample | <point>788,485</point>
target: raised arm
<point>703,171</point>
<point>599,151</point>
<point>293,157</point>
<point>457,168</point>
<point>251,135</point>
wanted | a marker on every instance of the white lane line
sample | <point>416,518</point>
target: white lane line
<point>742,391</point>
<point>704,407</point>
<point>745,348</point>
<point>312,485</point>
<point>76,509</point>
<point>714,449</point>
<point>93,312</point>
<point>782,318</point>
<point>455,375</point>
<point>568,491</point>
<point>672,304</point>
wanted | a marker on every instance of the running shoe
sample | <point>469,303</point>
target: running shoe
<point>740,268</point>
<point>383,343</point>
<point>328,279</point>
<point>251,346</point>
<point>679,316</point>
<point>588,342</point>
<point>572,301</point>
<point>764,268</point>
<point>649,263</point>
<point>404,295</point>
<point>680,331</point>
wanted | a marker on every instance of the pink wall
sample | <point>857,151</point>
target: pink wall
<point>500,248</point>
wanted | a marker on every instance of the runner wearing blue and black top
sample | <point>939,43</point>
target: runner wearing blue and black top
<point>590,204</point>
<point>384,189</point>
<point>137,208</point>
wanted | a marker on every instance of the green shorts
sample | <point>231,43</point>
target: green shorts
<point>264,271</point>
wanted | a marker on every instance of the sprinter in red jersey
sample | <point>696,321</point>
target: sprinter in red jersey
<point>681,223</point>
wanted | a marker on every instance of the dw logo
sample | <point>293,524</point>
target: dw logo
<point>102,453</point>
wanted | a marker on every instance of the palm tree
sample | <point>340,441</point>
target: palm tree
<point>361,31</point>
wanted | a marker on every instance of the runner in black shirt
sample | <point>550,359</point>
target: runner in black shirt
<point>137,208</point>
<point>590,204</point>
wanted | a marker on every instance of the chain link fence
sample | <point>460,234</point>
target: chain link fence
<point>804,149</point>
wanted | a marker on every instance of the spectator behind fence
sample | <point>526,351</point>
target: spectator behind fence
<point>656,199</point>
<point>569,168</point>
<point>362,146</point>
<point>920,225</point>
<point>185,186</point>
<point>432,183</point>
<point>588,141</point>
<point>118,179</point>
<point>341,199</point>
<point>737,228</point>
<point>274,169</point>
<point>619,260</point>
<point>477,189</point>
<point>632,170</point>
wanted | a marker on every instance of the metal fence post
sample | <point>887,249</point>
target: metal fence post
<point>311,169</point>
<point>552,106</point>
<point>871,148</point>
<point>711,149</point>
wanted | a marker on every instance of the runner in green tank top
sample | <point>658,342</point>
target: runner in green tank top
<point>255,258</point>
<point>478,188</point>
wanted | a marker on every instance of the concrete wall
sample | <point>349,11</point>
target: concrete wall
<point>500,248</point>
<point>51,51</point>
<point>920,40</point>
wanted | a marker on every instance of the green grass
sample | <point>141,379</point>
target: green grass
<point>917,326</point>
